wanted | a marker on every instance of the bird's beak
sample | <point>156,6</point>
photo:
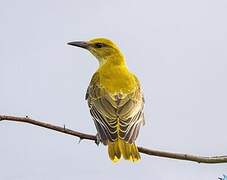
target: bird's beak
<point>82,44</point>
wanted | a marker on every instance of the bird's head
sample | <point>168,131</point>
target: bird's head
<point>103,49</point>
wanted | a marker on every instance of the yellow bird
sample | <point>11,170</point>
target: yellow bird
<point>115,100</point>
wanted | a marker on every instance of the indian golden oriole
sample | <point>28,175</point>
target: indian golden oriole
<point>115,100</point>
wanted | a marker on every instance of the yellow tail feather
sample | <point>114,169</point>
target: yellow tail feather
<point>121,148</point>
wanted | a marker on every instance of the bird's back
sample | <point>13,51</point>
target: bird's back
<point>117,79</point>
<point>116,105</point>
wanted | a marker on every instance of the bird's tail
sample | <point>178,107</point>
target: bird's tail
<point>121,148</point>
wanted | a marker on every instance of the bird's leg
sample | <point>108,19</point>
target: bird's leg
<point>98,139</point>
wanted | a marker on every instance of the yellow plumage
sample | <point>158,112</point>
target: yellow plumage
<point>115,100</point>
<point>120,147</point>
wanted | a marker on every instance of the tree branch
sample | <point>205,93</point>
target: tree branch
<point>188,157</point>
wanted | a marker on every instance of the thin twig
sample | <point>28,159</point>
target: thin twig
<point>187,157</point>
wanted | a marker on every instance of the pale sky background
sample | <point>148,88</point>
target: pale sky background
<point>177,48</point>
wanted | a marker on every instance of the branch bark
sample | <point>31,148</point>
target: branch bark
<point>180,156</point>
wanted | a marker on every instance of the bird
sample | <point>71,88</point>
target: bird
<point>115,100</point>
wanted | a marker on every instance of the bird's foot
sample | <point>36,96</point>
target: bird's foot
<point>98,139</point>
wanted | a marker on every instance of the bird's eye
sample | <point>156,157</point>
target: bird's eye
<point>99,45</point>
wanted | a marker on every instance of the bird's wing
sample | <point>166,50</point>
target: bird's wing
<point>131,115</point>
<point>103,113</point>
<point>115,116</point>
